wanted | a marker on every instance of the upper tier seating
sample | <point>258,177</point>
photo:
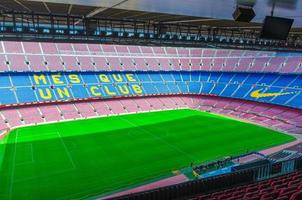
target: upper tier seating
<point>41,56</point>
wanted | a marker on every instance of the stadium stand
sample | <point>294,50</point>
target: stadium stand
<point>39,72</point>
<point>74,61</point>
<point>260,179</point>
<point>41,56</point>
<point>273,116</point>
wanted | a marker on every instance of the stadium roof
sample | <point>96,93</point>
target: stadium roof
<point>205,12</point>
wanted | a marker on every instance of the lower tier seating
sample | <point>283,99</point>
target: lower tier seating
<point>276,117</point>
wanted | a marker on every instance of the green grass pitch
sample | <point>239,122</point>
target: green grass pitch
<point>85,158</point>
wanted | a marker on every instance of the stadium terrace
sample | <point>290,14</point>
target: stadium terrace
<point>150,101</point>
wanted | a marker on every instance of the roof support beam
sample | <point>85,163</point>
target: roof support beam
<point>21,4</point>
<point>69,9</point>
<point>190,20</point>
<point>46,6</point>
<point>99,10</point>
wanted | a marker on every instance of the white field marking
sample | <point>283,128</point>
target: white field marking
<point>92,117</point>
<point>66,150</point>
<point>164,141</point>
<point>13,166</point>
<point>32,157</point>
<point>45,175</point>
<point>32,152</point>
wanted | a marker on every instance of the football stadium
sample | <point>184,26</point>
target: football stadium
<point>148,99</point>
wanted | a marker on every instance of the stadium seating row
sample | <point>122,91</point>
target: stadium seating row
<point>34,56</point>
<point>282,89</point>
<point>287,187</point>
<point>273,116</point>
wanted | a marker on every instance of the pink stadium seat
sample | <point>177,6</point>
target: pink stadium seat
<point>3,125</point>
<point>230,64</point>
<point>206,64</point>
<point>196,52</point>
<point>121,49</point>
<point>70,63</point>
<point>94,49</point>
<point>153,64</point>
<point>65,48</point>
<point>291,64</point>
<point>108,49</point>
<point>80,48</point>
<point>168,103</point>
<point>1,48</point>
<point>183,52</point>
<point>134,50</point>
<point>164,64</point>
<point>155,103</point>
<point>140,64</point>
<point>3,65</point>
<point>114,63</point>
<point>218,64</point>
<point>49,48</point>
<point>101,63</point>
<point>260,108</point>
<point>116,107</point>
<point>85,109</point>
<point>247,116</point>
<point>129,105</point>
<point>180,102</point>
<point>289,114</point>
<point>271,122</point>
<point>259,64</point>
<point>12,116</point>
<point>208,53</point>
<point>50,113</point>
<point>171,51</point>
<point>244,64</point>
<point>101,108</point>
<point>17,62</point>
<point>86,63</point>
<point>274,64</point>
<point>222,53</point>
<point>143,105</point>
<point>175,64</point>
<point>146,50</point>
<point>68,111</point>
<point>36,63</point>
<point>32,48</point>
<point>299,68</point>
<point>185,64</point>
<point>158,51</point>
<point>13,47</point>
<point>195,64</point>
<point>30,115</point>
<point>53,62</point>
<point>128,64</point>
